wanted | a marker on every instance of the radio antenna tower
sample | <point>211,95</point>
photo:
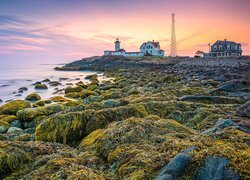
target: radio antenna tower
<point>173,51</point>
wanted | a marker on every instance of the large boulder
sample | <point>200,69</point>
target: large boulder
<point>41,86</point>
<point>214,168</point>
<point>175,167</point>
<point>33,97</point>
<point>244,110</point>
<point>12,107</point>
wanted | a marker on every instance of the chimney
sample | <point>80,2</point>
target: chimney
<point>225,40</point>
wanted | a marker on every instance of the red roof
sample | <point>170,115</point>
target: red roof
<point>156,44</point>
<point>121,50</point>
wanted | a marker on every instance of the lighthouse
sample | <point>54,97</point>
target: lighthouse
<point>117,44</point>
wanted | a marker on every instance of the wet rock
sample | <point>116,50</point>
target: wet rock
<point>54,83</point>
<point>36,83</point>
<point>77,79</point>
<point>41,86</point>
<point>14,130</point>
<point>69,84</point>
<point>244,110</point>
<point>46,80</point>
<point>63,79</point>
<point>92,76</point>
<point>214,168</point>
<point>111,103</point>
<point>33,97</point>
<point>22,137</point>
<point>23,89</point>
<point>175,167</point>
<point>1,100</point>
<point>29,124</point>
<point>12,107</point>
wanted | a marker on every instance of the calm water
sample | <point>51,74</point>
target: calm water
<point>15,75</point>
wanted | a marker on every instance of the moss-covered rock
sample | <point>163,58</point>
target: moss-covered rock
<point>8,118</point>
<point>39,103</point>
<point>92,87</point>
<point>59,99</point>
<point>41,86</point>
<point>33,97</point>
<point>72,127</point>
<point>73,89</point>
<point>73,95</point>
<point>87,93</point>
<point>4,126</point>
<point>12,107</point>
<point>29,114</point>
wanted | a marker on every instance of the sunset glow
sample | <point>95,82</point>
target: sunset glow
<point>62,29</point>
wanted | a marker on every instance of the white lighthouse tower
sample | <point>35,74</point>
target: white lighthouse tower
<point>117,44</point>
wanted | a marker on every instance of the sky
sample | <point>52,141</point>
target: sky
<point>66,30</point>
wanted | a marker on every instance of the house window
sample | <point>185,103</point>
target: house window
<point>215,47</point>
<point>228,47</point>
<point>220,47</point>
<point>232,48</point>
<point>236,48</point>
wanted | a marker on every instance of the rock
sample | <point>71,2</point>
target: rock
<point>92,76</point>
<point>39,104</point>
<point>63,79</point>
<point>16,123</point>
<point>175,167</point>
<point>234,86</point>
<point>14,130</point>
<point>222,124</point>
<point>4,126</point>
<point>12,107</point>
<point>244,110</point>
<point>92,87</point>
<point>54,83</point>
<point>33,97</point>
<point>41,86</point>
<point>23,89</point>
<point>214,168</point>
<point>29,124</point>
<point>1,100</point>
<point>69,84</point>
<point>22,137</point>
<point>30,113</point>
<point>212,99</point>
<point>8,118</point>
<point>73,89</point>
<point>111,103</point>
<point>73,95</point>
<point>36,83</point>
<point>46,80</point>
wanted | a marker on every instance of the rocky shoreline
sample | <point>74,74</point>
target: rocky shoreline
<point>153,118</point>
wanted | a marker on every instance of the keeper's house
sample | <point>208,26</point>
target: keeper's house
<point>224,49</point>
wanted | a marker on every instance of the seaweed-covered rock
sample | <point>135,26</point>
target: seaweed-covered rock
<point>23,89</point>
<point>54,83</point>
<point>87,93</point>
<point>8,118</point>
<point>41,86</point>
<point>16,123</point>
<point>233,86</point>
<point>4,126</point>
<point>244,110</point>
<point>92,87</point>
<point>74,95</point>
<point>111,103</point>
<point>212,99</point>
<point>215,168</point>
<point>33,97</point>
<point>29,114</point>
<point>59,99</point>
<point>12,107</point>
<point>73,89</point>
<point>39,103</point>
<point>72,127</point>
<point>46,80</point>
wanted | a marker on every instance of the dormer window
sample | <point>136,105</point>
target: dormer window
<point>228,47</point>
<point>215,47</point>
<point>220,47</point>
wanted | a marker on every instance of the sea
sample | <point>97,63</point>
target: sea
<point>16,74</point>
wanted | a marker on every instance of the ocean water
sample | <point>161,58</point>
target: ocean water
<point>14,75</point>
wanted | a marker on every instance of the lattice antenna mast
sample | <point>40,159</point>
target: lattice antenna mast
<point>173,51</point>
